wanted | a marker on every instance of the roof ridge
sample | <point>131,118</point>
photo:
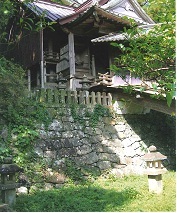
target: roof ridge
<point>48,2</point>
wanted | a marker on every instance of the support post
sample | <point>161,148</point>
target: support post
<point>42,58</point>
<point>93,66</point>
<point>71,59</point>
<point>29,80</point>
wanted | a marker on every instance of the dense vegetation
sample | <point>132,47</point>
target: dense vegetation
<point>19,115</point>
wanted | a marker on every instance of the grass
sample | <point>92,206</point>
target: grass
<point>128,194</point>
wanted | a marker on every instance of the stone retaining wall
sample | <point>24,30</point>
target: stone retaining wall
<point>115,144</point>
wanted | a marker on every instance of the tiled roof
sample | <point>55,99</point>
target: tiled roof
<point>119,8</point>
<point>68,14</point>
<point>129,8</point>
<point>50,10</point>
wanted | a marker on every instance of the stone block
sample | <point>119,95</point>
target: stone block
<point>67,134</point>
<point>109,157</point>
<point>135,138</point>
<point>87,159</point>
<point>68,119</point>
<point>85,149</point>
<point>50,154</point>
<point>129,152</point>
<point>55,125</point>
<point>57,144</point>
<point>117,172</point>
<point>121,135</point>
<point>39,151</point>
<point>118,150</point>
<point>68,126</point>
<point>66,143</point>
<point>75,142</point>
<point>98,131</point>
<point>103,165</point>
<point>120,128</point>
<point>114,136</point>
<point>48,186</point>
<point>53,177</point>
<point>127,142</point>
<point>89,131</point>
<point>22,190</point>
<point>43,134</point>
<point>110,129</point>
<point>67,152</point>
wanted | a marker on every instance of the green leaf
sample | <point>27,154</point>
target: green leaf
<point>169,98</point>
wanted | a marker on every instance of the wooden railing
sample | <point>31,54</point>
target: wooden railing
<point>55,97</point>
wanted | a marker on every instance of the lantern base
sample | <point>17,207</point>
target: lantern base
<point>9,197</point>
<point>155,183</point>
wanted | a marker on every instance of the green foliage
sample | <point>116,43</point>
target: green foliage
<point>150,54</point>
<point>23,138</point>
<point>127,194</point>
<point>12,84</point>
<point>20,114</point>
<point>73,172</point>
<point>92,116</point>
<point>99,111</point>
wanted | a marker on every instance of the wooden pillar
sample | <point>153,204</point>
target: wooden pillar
<point>110,60</point>
<point>93,66</point>
<point>50,48</point>
<point>42,58</point>
<point>71,60</point>
<point>44,71</point>
<point>29,80</point>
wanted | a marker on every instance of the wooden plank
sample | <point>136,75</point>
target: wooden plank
<point>49,96</point>
<point>42,58</point>
<point>109,99</point>
<point>75,97</point>
<point>104,99</point>
<point>81,97</point>
<point>68,97</point>
<point>93,101</point>
<point>98,95</point>
<point>87,98</point>
<point>42,97</point>
<point>62,95</point>
<point>71,57</point>
<point>56,96</point>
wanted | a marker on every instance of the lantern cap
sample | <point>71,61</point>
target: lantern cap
<point>8,167</point>
<point>85,80</point>
<point>154,155</point>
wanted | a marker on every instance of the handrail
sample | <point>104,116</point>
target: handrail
<point>56,97</point>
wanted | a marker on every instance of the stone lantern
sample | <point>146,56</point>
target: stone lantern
<point>61,81</point>
<point>85,83</point>
<point>154,169</point>
<point>8,185</point>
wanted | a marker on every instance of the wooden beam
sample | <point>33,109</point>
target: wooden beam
<point>143,99</point>
<point>148,102</point>
<point>29,80</point>
<point>71,58</point>
<point>42,57</point>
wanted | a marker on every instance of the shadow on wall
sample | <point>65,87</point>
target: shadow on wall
<point>159,129</point>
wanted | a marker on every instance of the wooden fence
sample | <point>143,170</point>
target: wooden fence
<point>55,97</point>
